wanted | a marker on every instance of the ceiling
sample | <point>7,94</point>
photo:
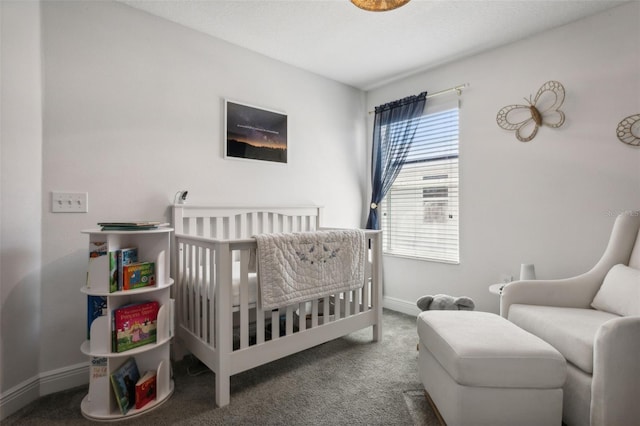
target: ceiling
<point>335,39</point>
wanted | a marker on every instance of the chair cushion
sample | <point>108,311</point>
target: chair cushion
<point>620,292</point>
<point>484,349</point>
<point>571,331</point>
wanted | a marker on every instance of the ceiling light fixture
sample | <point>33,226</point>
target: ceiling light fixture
<point>379,5</point>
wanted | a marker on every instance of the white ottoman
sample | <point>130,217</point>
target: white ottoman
<point>480,369</point>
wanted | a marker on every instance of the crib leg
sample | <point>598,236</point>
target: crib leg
<point>377,333</point>
<point>377,327</point>
<point>222,390</point>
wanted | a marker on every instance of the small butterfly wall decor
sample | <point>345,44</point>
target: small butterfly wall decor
<point>628,130</point>
<point>543,109</point>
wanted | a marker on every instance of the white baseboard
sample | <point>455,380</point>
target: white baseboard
<point>19,396</point>
<point>45,383</point>
<point>64,378</point>
<point>400,305</point>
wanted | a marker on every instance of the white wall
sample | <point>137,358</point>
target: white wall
<point>20,179</point>
<point>550,201</point>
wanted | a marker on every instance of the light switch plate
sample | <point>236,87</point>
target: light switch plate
<point>69,202</point>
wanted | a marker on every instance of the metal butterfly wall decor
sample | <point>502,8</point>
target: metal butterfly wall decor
<point>628,130</point>
<point>544,109</point>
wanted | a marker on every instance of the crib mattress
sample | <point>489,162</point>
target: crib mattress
<point>235,287</point>
<point>253,285</point>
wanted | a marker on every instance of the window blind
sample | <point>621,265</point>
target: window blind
<point>419,214</point>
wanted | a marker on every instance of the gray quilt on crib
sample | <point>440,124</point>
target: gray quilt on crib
<point>298,267</point>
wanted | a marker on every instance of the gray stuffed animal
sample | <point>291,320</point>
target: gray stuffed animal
<point>446,303</point>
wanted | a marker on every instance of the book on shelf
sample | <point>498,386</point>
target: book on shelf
<point>140,225</point>
<point>123,383</point>
<point>96,307</point>
<point>146,389</point>
<point>98,263</point>
<point>135,325</point>
<point>113,271</point>
<point>125,256</point>
<point>139,274</point>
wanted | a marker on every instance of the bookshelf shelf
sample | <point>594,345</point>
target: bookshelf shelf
<point>113,416</point>
<point>152,246</point>
<point>149,289</point>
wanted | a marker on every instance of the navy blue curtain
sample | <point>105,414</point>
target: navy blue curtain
<point>391,146</point>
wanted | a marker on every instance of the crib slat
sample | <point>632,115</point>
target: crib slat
<point>302,316</point>
<point>192,226</point>
<point>275,324</point>
<point>206,227</point>
<point>365,294</point>
<point>326,310</point>
<point>199,297</point>
<point>216,228</point>
<point>253,224</point>
<point>356,301</point>
<point>289,320</point>
<point>265,223</point>
<point>244,298</point>
<point>314,313</point>
<point>192,282</point>
<point>185,277</point>
<point>260,328</point>
<point>211,306</point>
<point>183,285</point>
<point>207,291</point>
<point>232,228</point>
<point>242,226</point>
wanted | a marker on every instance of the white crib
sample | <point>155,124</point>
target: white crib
<point>217,317</point>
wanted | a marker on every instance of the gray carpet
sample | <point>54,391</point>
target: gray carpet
<point>348,381</point>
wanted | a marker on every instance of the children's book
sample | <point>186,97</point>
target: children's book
<point>113,271</point>
<point>135,325</point>
<point>126,256</point>
<point>123,382</point>
<point>141,225</point>
<point>136,275</point>
<point>96,307</point>
<point>98,265</point>
<point>146,389</point>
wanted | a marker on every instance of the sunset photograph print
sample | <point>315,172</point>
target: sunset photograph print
<point>255,134</point>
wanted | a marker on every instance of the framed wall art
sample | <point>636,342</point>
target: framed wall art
<point>253,133</point>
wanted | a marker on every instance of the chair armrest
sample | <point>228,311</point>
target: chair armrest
<point>574,292</point>
<point>616,373</point>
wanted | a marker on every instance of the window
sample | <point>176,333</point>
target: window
<point>419,214</point>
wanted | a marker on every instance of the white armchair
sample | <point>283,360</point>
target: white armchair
<point>593,320</point>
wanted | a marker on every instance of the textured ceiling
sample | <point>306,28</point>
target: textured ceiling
<point>367,49</point>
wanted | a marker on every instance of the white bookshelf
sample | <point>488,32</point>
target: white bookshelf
<point>153,245</point>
